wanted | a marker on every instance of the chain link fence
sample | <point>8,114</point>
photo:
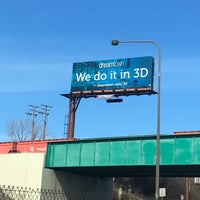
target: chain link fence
<point>23,193</point>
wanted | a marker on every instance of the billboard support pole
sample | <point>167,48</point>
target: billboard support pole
<point>73,105</point>
<point>157,177</point>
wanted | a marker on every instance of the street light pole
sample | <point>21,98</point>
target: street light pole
<point>116,42</point>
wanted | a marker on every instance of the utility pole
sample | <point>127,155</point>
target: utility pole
<point>33,112</point>
<point>187,188</point>
<point>45,109</point>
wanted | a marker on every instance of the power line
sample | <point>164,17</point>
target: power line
<point>45,112</point>
<point>33,112</point>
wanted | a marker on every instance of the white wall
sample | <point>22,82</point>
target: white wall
<point>27,170</point>
<point>21,169</point>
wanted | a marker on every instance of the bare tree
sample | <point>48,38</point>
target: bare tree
<point>20,130</point>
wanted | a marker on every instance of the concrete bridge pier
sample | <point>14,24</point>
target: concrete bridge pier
<point>76,186</point>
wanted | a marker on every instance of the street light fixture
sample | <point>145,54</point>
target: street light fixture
<point>115,43</point>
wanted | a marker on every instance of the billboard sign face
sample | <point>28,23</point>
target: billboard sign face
<point>113,75</point>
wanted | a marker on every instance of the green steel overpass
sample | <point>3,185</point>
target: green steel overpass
<point>127,156</point>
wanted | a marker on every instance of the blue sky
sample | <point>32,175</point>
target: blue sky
<point>40,41</point>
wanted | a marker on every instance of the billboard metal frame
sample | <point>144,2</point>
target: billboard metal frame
<point>116,93</point>
<point>76,96</point>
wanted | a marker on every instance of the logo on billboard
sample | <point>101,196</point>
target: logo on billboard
<point>113,76</point>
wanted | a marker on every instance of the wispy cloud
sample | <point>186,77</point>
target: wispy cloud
<point>34,77</point>
<point>181,74</point>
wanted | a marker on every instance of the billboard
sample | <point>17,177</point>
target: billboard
<point>113,76</point>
